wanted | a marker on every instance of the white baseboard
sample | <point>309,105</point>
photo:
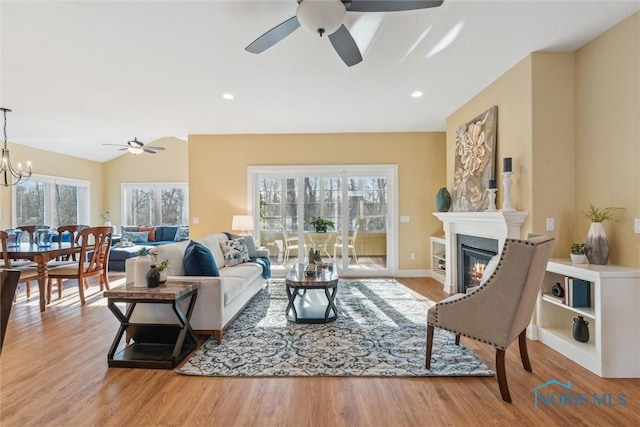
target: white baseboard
<point>413,273</point>
<point>532,332</point>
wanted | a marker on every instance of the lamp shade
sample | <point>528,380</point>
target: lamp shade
<point>242,223</point>
<point>321,16</point>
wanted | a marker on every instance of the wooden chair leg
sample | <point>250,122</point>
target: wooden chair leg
<point>502,375</point>
<point>457,339</point>
<point>28,286</point>
<point>81,285</point>
<point>524,355</point>
<point>49,290</point>
<point>59,288</point>
<point>427,362</point>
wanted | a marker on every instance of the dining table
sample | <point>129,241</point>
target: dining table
<point>41,255</point>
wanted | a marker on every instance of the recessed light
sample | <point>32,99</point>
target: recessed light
<point>416,94</point>
<point>227,96</point>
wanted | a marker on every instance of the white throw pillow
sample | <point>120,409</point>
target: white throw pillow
<point>490,268</point>
<point>235,251</point>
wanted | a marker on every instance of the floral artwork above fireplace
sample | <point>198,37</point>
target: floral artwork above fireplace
<point>474,162</point>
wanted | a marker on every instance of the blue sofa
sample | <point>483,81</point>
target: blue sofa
<point>162,234</point>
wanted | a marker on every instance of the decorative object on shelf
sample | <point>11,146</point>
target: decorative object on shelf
<point>507,204</point>
<point>577,253</point>
<point>320,224</point>
<point>474,161</point>
<point>443,200</point>
<point>8,174</point>
<point>317,257</point>
<point>597,243</point>
<point>13,237</point>
<point>580,329</point>
<point>491,207</point>
<point>557,290</point>
<point>141,268</point>
<point>153,277</point>
<point>507,164</point>
<point>160,266</point>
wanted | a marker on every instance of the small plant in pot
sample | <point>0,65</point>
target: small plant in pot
<point>320,224</point>
<point>577,253</point>
<point>160,266</point>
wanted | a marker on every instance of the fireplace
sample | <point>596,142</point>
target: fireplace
<point>474,253</point>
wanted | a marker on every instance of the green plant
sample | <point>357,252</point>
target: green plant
<point>321,223</point>
<point>595,214</point>
<point>143,251</point>
<point>577,249</point>
<point>159,266</point>
<point>105,215</point>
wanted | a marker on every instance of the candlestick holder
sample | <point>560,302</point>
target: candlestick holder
<point>492,200</point>
<point>507,204</point>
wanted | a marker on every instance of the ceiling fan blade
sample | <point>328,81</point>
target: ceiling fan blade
<point>273,36</point>
<point>390,5</point>
<point>346,46</point>
<point>116,145</point>
<point>153,147</point>
<point>146,150</point>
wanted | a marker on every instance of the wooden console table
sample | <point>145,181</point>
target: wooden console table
<point>156,346</point>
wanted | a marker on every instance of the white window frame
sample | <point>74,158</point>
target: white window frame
<point>390,172</point>
<point>158,186</point>
<point>84,198</point>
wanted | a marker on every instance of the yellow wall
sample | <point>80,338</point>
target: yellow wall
<point>608,134</point>
<point>512,94</point>
<point>60,165</point>
<point>170,165</point>
<point>571,122</point>
<point>218,175</point>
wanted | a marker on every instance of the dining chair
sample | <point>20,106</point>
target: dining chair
<point>28,271</point>
<point>290,243</point>
<point>498,311</point>
<point>31,229</point>
<point>95,244</point>
<point>351,244</point>
<point>73,231</point>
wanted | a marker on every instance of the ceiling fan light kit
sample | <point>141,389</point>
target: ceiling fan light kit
<point>321,16</point>
<point>136,147</point>
<point>327,17</point>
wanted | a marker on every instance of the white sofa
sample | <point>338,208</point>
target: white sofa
<point>219,299</point>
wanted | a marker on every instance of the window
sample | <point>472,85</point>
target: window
<point>163,203</point>
<point>49,200</point>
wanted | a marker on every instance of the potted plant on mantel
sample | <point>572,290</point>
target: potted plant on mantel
<point>597,244</point>
<point>321,224</point>
<point>577,253</point>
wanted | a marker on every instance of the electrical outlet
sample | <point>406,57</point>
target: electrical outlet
<point>196,220</point>
<point>551,224</point>
<point>636,225</point>
<point>413,256</point>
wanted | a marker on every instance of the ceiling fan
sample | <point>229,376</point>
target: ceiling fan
<point>327,16</point>
<point>137,147</point>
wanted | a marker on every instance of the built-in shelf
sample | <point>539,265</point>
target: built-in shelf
<point>614,316</point>
<point>438,259</point>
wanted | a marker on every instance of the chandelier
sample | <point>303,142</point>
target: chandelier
<point>8,174</point>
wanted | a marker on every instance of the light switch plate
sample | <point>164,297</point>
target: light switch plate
<point>636,225</point>
<point>196,220</point>
<point>551,224</point>
<point>404,218</point>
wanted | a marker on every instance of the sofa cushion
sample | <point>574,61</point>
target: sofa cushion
<point>235,252</point>
<point>174,252</point>
<point>212,241</point>
<point>198,261</point>
<point>238,278</point>
<point>166,233</point>
<point>248,240</point>
<point>182,233</point>
<point>152,232</point>
<point>136,236</point>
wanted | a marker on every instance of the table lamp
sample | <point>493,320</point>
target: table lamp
<point>242,223</point>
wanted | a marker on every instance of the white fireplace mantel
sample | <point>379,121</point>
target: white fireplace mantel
<point>498,225</point>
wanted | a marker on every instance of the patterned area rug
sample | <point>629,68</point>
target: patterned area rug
<point>380,331</point>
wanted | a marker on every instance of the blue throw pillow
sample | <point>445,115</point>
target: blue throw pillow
<point>182,233</point>
<point>136,236</point>
<point>198,261</point>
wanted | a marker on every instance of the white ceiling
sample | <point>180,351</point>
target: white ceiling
<point>78,74</point>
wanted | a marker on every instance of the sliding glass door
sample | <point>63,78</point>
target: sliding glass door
<point>357,203</point>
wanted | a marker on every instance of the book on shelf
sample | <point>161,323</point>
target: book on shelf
<point>578,292</point>
<point>552,297</point>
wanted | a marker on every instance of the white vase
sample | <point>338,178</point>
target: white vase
<point>141,268</point>
<point>596,246</point>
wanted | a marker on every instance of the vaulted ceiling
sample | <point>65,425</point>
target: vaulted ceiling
<point>79,74</point>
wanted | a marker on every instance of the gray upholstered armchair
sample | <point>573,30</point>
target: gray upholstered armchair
<point>499,310</point>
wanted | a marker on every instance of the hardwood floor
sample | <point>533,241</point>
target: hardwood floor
<point>53,372</point>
